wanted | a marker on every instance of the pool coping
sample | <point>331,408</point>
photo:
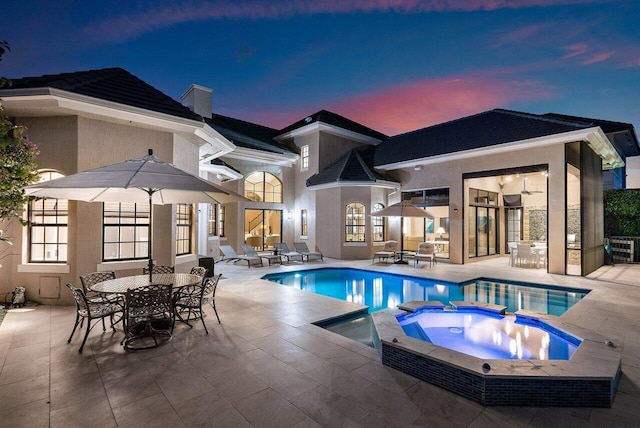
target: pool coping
<point>588,379</point>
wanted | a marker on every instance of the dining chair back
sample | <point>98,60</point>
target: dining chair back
<point>159,269</point>
<point>93,309</point>
<point>149,313</point>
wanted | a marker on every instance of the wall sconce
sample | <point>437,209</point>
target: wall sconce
<point>417,167</point>
<point>289,215</point>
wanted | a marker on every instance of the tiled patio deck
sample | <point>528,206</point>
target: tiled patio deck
<point>266,366</point>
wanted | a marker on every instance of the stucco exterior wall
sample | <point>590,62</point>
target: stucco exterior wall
<point>72,144</point>
<point>449,174</point>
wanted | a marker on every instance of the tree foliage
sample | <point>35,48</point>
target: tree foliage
<point>622,212</point>
<point>18,166</point>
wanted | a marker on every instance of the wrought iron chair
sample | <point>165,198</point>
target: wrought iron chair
<point>159,269</point>
<point>190,300</point>
<point>148,314</point>
<point>93,309</point>
<point>93,278</point>
<point>199,270</point>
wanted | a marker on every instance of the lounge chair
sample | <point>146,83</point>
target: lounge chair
<point>302,248</point>
<point>230,255</point>
<point>283,250</point>
<point>389,250</point>
<point>426,251</point>
<point>251,252</point>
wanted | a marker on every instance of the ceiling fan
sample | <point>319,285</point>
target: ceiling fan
<point>528,192</point>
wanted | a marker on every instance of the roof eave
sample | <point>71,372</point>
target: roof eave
<point>260,156</point>
<point>384,184</point>
<point>321,126</point>
<point>594,136</point>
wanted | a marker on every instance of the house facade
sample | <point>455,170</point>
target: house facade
<point>485,180</point>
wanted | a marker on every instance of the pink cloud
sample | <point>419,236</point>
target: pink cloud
<point>402,108</point>
<point>575,50</point>
<point>598,57</point>
<point>152,19</point>
<point>415,105</point>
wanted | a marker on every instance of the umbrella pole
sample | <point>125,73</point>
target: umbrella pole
<point>150,235</point>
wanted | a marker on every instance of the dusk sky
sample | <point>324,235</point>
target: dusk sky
<point>393,65</point>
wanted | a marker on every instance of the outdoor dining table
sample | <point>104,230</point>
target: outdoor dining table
<point>152,328</point>
<point>121,285</point>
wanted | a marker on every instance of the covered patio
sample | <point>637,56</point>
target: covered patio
<point>267,365</point>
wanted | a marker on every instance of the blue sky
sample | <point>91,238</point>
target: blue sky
<point>393,65</point>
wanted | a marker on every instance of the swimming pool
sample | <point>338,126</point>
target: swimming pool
<point>489,335</point>
<point>384,290</point>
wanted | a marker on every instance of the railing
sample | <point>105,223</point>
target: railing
<point>626,249</point>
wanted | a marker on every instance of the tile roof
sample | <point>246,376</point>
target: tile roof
<point>246,134</point>
<point>628,143</point>
<point>472,132</point>
<point>351,167</point>
<point>111,84</point>
<point>334,119</point>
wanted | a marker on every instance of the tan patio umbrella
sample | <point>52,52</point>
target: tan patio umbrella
<point>146,179</point>
<point>402,209</point>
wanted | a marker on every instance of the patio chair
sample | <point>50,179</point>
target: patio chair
<point>93,310</point>
<point>159,270</point>
<point>389,250</point>
<point>513,253</point>
<point>199,270</point>
<point>230,255</point>
<point>283,250</point>
<point>426,251</point>
<point>525,254</point>
<point>148,314</point>
<point>302,248</point>
<point>93,278</point>
<point>251,252</point>
<point>190,300</point>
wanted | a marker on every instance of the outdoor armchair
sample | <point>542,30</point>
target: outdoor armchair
<point>189,300</point>
<point>389,250</point>
<point>94,309</point>
<point>149,316</point>
<point>426,251</point>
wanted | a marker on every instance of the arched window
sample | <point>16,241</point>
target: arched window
<point>378,224</point>
<point>354,222</point>
<point>48,226</point>
<point>262,186</point>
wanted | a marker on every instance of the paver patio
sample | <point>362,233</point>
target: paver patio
<point>267,366</point>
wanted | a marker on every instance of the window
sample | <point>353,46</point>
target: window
<point>354,222</point>
<point>125,231</point>
<point>303,223</point>
<point>263,186</point>
<point>378,224</point>
<point>221,213</point>
<point>184,224</point>
<point>48,227</point>
<point>304,158</point>
<point>213,220</point>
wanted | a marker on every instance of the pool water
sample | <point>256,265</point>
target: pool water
<point>385,291</point>
<point>489,335</point>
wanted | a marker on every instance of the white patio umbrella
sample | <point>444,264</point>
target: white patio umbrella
<point>146,179</point>
<point>402,209</point>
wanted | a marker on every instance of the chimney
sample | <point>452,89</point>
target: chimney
<point>198,99</point>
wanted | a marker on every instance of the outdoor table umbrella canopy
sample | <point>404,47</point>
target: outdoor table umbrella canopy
<point>147,179</point>
<point>402,209</point>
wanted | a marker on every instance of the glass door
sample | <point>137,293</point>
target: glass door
<point>262,228</point>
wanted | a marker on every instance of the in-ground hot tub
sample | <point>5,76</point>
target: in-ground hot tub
<point>586,376</point>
